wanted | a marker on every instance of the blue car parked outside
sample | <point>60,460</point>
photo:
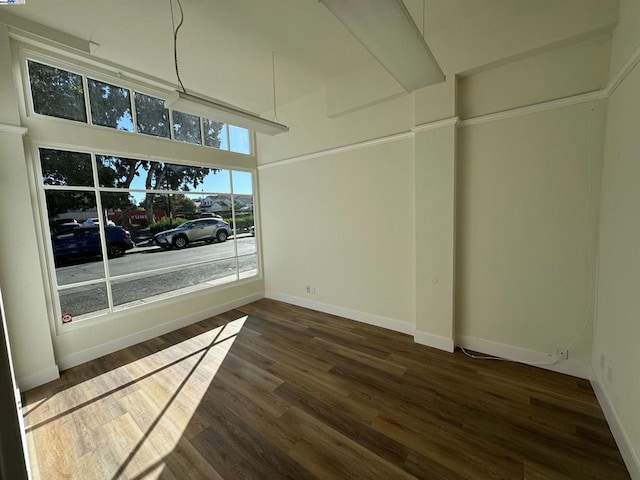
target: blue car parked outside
<point>85,242</point>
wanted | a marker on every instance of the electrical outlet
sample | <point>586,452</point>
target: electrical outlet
<point>562,353</point>
<point>308,288</point>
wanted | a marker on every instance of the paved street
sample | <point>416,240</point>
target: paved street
<point>91,298</point>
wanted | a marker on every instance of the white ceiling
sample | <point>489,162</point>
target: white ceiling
<point>224,46</point>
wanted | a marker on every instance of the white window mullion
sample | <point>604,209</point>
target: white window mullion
<point>134,114</point>
<point>87,107</point>
<point>171,132</point>
<point>102,225</point>
<point>235,226</point>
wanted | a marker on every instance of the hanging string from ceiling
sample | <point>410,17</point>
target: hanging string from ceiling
<point>423,9</point>
<point>175,39</point>
<point>273,78</point>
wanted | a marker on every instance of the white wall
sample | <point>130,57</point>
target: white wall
<point>523,197</point>
<point>616,352</point>
<point>343,224</point>
<point>20,274</point>
<point>523,261</point>
<point>562,72</point>
<point>435,183</point>
<point>312,131</point>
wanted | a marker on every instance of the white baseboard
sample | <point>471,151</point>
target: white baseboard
<point>571,367</point>
<point>39,378</point>
<point>630,457</point>
<point>124,342</point>
<point>369,318</point>
<point>435,341</point>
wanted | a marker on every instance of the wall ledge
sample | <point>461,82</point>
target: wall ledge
<point>39,378</point>
<point>14,129</point>
<point>575,368</point>
<point>530,109</point>
<point>92,353</point>
<point>337,150</point>
<point>447,122</point>
<point>630,457</point>
<point>357,315</point>
<point>622,73</point>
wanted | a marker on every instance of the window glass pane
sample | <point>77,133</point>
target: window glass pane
<point>177,206</point>
<point>239,140</point>
<point>177,232</point>
<point>78,301</point>
<point>216,204</point>
<point>121,172</point>
<point>132,291</point>
<point>186,128</point>
<point>118,208</point>
<point>215,134</point>
<point>151,116</point>
<point>75,242</point>
<point>110,105</point>
<point>248,266</point>
<point>243,201</point>
<point>216,180</point>
<point>60,167</point>
<point>163,176</point>
<point>56,92</point>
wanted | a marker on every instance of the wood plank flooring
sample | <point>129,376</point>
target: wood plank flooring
<point>274,391</point>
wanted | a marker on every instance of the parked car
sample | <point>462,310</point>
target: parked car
<point>252,230</point>
<point>64,223</point>
<point>84,241</point>
<point>200,230</point>
<point>95,221</point>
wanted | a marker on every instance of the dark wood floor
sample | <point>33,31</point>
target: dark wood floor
<point>273,391</point>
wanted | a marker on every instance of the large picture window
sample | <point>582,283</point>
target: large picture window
<point>126,231</point>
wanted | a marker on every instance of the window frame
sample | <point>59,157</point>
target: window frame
<point>115,77</point>
<point>108,277</point>
<point>44,132</point>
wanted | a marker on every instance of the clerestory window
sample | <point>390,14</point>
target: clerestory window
<point>56,92</point>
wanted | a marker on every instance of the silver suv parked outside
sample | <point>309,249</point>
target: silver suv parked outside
<point>201,230</point>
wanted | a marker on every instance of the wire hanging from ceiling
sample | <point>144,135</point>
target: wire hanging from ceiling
<point>273,78</point>
<point>423,9</point>
<point>175,39</point>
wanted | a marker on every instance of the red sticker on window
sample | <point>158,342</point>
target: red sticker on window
<point>66,318</point>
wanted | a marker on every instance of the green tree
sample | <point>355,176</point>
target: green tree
<point>186,128</point>
<point>177,203</point>
<point>60,167</point>
<point>166,176</point>
<point>60,93</point>
<point>152,117</point>
<point>110,105</point>
<point>57,92</point>
<point>212,132</point>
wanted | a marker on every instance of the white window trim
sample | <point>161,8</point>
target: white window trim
<point>118,77</point>
<point>108,279</point>
<point>38,138</point>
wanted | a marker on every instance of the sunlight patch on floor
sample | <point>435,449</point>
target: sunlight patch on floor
<point>125,422</point>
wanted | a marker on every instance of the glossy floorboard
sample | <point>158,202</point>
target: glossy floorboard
<point>273,391</point>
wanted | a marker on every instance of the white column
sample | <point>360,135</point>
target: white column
<point>21,273</point>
